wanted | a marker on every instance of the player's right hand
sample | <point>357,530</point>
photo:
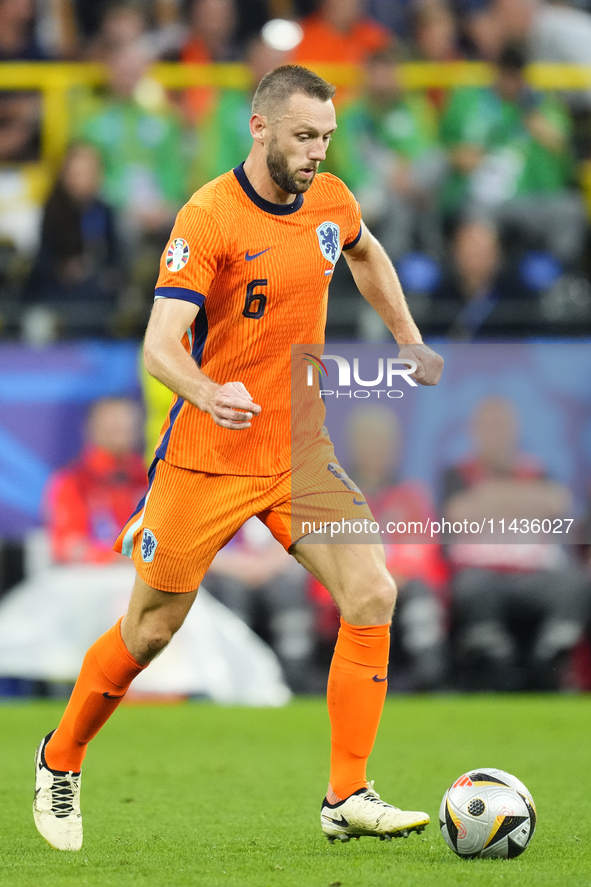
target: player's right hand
<point>231,406</point>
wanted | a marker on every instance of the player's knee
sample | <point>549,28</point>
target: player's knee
<point>382,594</point>
<point>373,602</point>
<point>150,635</point>
<point>156,638</point>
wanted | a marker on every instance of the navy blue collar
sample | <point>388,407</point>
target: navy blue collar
<point>277,209</point>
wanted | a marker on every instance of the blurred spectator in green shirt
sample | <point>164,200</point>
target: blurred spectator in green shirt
<point>386,150</point>
<point>224,138</point>
<point>511,161</point>
<point>140,144</point>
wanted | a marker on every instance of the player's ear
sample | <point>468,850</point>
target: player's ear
<point>258,126</point>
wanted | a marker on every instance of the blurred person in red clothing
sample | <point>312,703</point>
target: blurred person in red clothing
<point>339,32</point>
<point>89,500</point>
<point>520,608</point>
<point>418,651</point>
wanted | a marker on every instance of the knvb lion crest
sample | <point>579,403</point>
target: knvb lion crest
<point>328,238</point>
<point>149,543</point>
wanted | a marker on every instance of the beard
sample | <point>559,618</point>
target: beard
<point>280,173</point>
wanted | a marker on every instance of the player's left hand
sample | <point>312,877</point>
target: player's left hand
<point>429,363</point>
<point>231,406</point>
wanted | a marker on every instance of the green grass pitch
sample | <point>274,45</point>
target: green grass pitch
<point>200,795</point>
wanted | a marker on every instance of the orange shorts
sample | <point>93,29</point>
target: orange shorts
<point>187,516</point>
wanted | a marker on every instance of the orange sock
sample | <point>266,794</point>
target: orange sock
<point>107,671</point>
<point>356,693</point>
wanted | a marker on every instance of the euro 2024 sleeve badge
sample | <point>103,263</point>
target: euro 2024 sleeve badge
<point>177,254</point>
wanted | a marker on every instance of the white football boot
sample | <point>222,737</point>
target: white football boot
<point>364,813</point>
<point>56,807</point>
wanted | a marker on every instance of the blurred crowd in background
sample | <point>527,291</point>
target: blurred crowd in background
<point>513,614</point>
<point>506,616</point>
<point>480,194</point>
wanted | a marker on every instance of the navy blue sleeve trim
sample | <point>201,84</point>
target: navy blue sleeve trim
<point>179,292</point>
<point>353,242</point>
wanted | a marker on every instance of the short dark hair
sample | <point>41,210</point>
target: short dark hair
<point>278,85</point>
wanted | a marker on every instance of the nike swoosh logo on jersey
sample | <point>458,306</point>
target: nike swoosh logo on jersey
<point>249,258</point>
<point>355,502</point>
<point>379,680</point>
<point>108,696</point>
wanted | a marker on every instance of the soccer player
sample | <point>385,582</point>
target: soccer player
<point>244,277</point>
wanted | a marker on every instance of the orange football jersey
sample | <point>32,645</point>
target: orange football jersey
<point>259,272</point>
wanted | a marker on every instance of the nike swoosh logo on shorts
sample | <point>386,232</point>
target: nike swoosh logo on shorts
<point>355,502</point>
<point>379,680</point>
<point>249,258</point>
<point>108,696</point>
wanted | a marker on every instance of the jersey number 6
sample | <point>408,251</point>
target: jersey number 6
<point>255,302</point>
